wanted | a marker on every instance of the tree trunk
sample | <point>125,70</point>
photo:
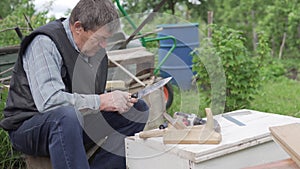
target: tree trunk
<point>210,16</point>
<point>299,34</point>
<point>282,45</point>
<point>172,6</point>
<point>254,34</point>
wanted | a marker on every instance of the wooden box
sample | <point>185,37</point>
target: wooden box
<point>136,60</point>
<point>241,146</point>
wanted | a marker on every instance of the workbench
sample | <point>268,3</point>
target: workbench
<point>241,146</point>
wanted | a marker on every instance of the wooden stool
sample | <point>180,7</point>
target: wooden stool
<point>33,162</point>
<point>37,162</point>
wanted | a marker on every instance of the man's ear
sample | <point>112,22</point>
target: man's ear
<point>78,27</point>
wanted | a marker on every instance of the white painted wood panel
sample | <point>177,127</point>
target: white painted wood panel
<point>235,140</point>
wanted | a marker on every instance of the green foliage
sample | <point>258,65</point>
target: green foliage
<point>226,49</point>
<point>7,6</point>
<point>274,17</point>
<point>272,69</point>
<point>279,96</point>
<point>8,157</point>
<point>292,67</point>
<point>282,17</point>
<point>187,101</point>
<point>16,19</point>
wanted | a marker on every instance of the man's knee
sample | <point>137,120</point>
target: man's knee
<point>67,115</point>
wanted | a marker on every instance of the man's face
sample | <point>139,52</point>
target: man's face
<point>95,41</point>
<point>90,42</point>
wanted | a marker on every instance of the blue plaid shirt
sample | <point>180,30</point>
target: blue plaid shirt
<point>42,63</point>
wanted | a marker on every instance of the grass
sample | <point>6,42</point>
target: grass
<point>281,96</point>
<point>9,159</point>
<point>185,101</point>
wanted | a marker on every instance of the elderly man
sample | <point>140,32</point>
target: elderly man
<point>57,105</point>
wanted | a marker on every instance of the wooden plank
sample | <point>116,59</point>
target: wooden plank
<point>192,135</point>
<point>129,54</point>
<point>9,49</point>
<point>282,164</point>
<point>288,136</point>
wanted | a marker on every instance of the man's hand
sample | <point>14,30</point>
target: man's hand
<point>116,101</point>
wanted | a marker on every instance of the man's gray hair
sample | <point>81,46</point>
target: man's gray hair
<point>93,14</point>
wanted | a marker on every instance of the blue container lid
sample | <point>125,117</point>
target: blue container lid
<point>179,25</point>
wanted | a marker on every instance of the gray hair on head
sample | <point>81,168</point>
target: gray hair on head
<point>94,14</point>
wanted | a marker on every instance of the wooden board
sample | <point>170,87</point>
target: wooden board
<point>192,135</point>
<point>282,164</point>
<point>288,136</point>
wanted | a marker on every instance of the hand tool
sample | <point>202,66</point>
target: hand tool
<point>178,133</point>
<point>197,134</point>
<point>163,126</point>
<point>190,119</point>
<point>151,88</point>
<point>233,120</point>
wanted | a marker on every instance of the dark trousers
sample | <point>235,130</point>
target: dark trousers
<point>65,135</point>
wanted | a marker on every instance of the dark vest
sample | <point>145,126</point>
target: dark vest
<point>78,75</point>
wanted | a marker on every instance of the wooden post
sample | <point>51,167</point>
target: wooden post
<point>282,45</point>
<point>254,34</point>
<point>210,15</point>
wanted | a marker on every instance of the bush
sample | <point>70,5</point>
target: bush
<point>226,73</point>
<point>272,69</point>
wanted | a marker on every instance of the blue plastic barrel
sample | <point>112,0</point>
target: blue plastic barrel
<point>179,63</point>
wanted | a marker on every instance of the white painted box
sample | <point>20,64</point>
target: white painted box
<point>241,146</point>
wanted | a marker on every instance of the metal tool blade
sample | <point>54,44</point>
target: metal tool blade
<point>149,89</point>
<point>233,120</point>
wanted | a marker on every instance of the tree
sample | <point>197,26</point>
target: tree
<point>278,19</point>
<point>283,17</point>
<point>275,18</point>
<point>16,19</point>
<point>7,6</point>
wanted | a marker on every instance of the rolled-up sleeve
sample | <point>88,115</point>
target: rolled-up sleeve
<point>42,63</point>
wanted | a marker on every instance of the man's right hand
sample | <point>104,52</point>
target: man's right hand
<point>116,101</point>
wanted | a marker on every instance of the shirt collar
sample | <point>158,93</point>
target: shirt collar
<point>66,24</point>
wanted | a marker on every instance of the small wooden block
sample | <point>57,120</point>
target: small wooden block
<point>192,135</point>
<point>115,85</point>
